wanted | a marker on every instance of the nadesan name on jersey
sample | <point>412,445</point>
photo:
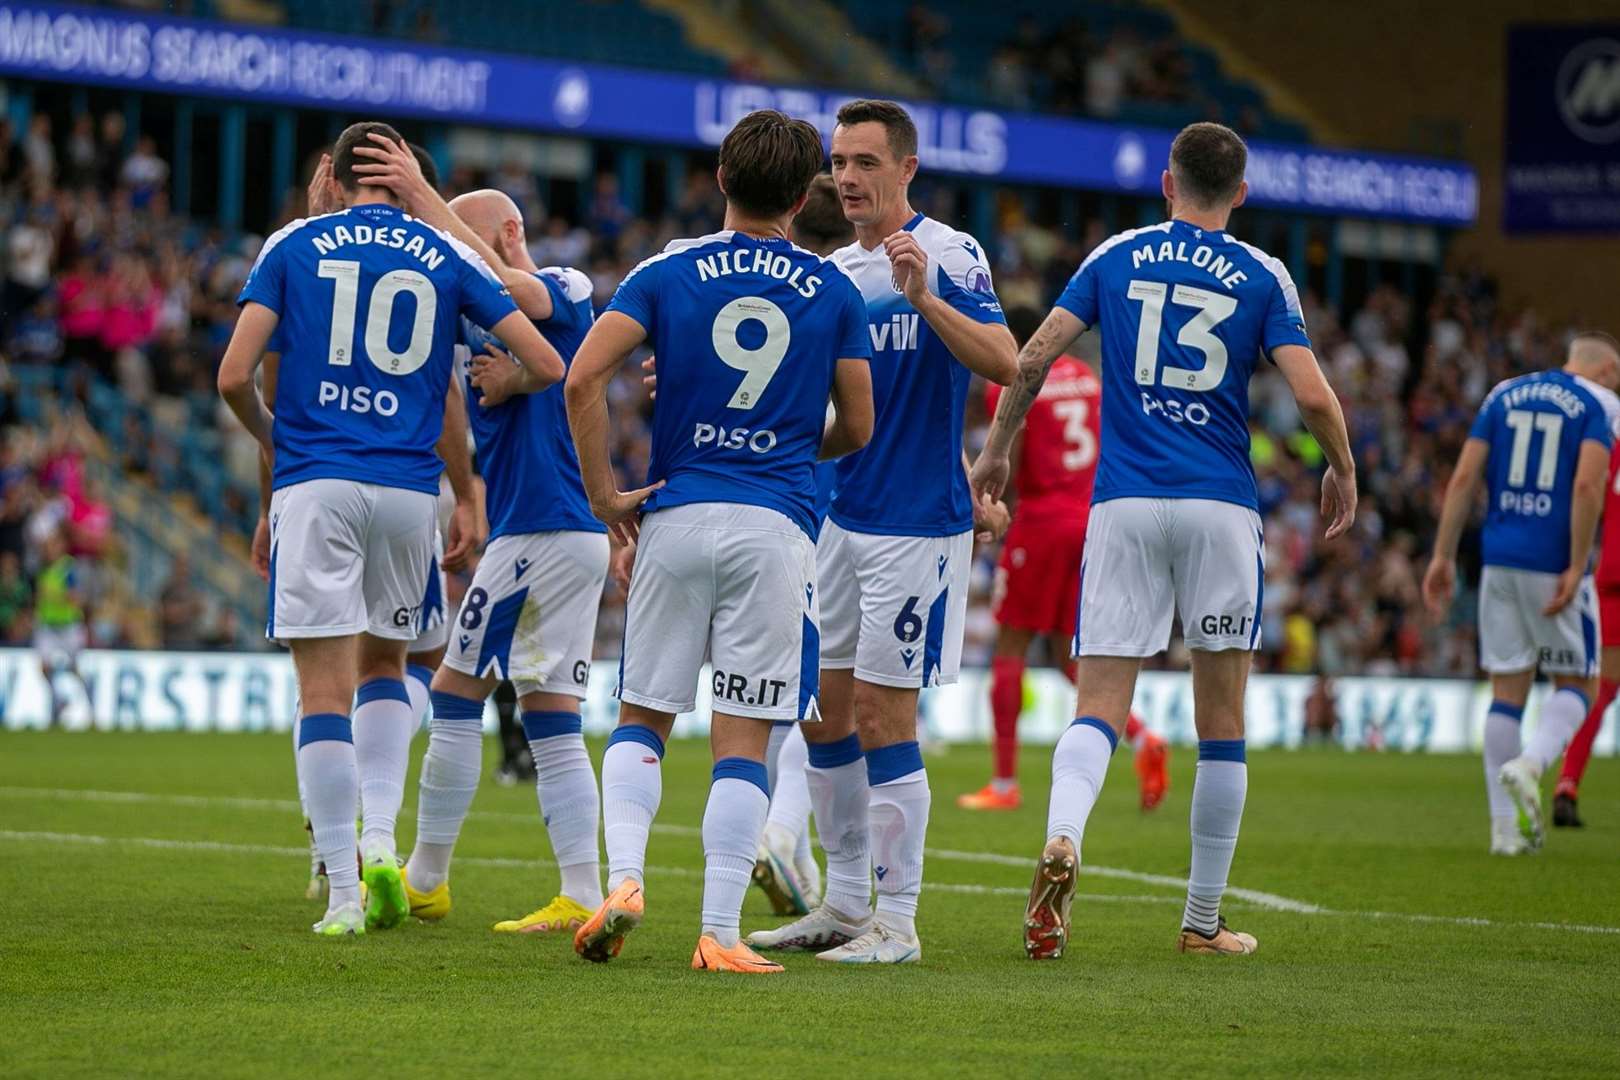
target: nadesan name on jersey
<point>1184,313</point>
<point>370,301</point>
<point>525,452</point>
<point>909,481</point>
<point>1534,426</point>
<point>748,333</point>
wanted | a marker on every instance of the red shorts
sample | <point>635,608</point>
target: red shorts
<point>1609,615</point>
<point>1038,578</point>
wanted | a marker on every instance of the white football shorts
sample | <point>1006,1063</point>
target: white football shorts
<point>433,625</point>
<point>530,613</point>
<point>1515,636</point>
<point>1148,559</point>
<point>346,558</point>
<point>733,584</point>
<point>896,605</point>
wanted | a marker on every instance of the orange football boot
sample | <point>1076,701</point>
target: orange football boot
<point>603,934</point>
<point>1224,942</point>
<point>710,955</point>
<point>1152,770</point>
<point>988,798</point>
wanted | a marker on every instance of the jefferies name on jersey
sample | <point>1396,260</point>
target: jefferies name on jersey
<point>369,301</point>
<point>747,332</point>
<point>909,481</point>
<point>1185,313</point>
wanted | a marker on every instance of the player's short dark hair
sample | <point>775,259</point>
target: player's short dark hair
<point>821,226</point>
<point>1598,336</point>
<point>343,156</point>
<point>1208,161</point>
<point>768,161</point>
<point>895,120</point>
<point>430,168</point>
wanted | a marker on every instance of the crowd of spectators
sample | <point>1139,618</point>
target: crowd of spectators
<point>101,279</point>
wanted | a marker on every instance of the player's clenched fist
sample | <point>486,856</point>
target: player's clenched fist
<point>910,264</point>
<point>989,474</point>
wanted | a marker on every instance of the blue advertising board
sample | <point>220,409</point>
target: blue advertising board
<point>356,75</point>
<point>1561,157</point>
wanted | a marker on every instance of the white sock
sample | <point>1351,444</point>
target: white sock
<point>1079,766</point>
<point>326,762</point>
<point>1501,747</point>
<point>773,749</point>
<point>632,787</point>
<point>790,794</point>
<point>732,823</point>
<point>418,686</point>
<point>298,774</point>
<point>565,785</point>
<point>382,747</point>
<point>1219,788</point>
<point>445,790</point>
<point>1562,716</point>
<point>842,800</point>
<point>899,825</point>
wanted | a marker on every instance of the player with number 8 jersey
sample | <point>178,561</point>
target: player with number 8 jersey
<point>367,304</point>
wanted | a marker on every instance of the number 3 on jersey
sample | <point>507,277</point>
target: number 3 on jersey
<point>1213,308</point>
<point>759,362</point>
<point>345,277</point>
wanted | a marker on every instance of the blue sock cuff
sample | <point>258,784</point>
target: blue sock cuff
<point>1512,712</point>
<point>548,725</point>
<point>891,762</point>
<point>1222,750</point>
<point>635,733</point>
<point>324,727</point>
<point>448,706</point>
<point>739,768</point>
<point>381,690</point>
<point>421,673</point>
<point>1101,725</point>
<point>835,754</point>
<point>1586,706</point>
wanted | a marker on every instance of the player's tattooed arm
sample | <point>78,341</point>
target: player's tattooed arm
<point>603,352</point>
<point>391,165</point>
<point>994,465</point>
<point>241,362</point>
<point>1440,579</point>
<point>467,525</point>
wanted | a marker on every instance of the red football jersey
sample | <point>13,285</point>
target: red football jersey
<point>1608,569</point>
<point>1058,461</point>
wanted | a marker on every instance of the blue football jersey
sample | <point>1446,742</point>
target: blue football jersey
<point>525,452</point>
<point>1184,314</point>
<point>748,333</point>
<point>370,301</point>
<point>1534,426</point>
<point>909,480</point>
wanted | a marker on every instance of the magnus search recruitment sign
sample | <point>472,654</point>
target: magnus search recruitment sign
<point>359,75</point>
<point>1562,154</point>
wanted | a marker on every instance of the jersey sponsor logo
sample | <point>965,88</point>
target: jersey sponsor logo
<point>978,281</point>
<point>1589,90</point>
<point>1226,625</point>
<point>1562,658</point>
<point>1174,411</point>
<point>760,442</point>
<point>748,689</point>
<point>901,331</point>
<point>357,399</point>
<point>407,616</point>
<point>582,672</point>
<point>1525,503</point>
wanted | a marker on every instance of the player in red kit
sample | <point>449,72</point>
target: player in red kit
<point>1579,751</point>
<point>1038,579</point>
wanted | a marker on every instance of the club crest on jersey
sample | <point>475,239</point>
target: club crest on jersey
<point>900,331</point>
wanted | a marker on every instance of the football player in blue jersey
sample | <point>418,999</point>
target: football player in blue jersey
<point>753,336</point>
<point>1541,443</point>
<point>1185,311</point>
<point>895,555</point>
<point>530,612</point>
<point>367,301</point>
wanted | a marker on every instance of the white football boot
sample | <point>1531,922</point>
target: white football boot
<point>823,928</point>
<point>879,945</point>
<point>342,921</point>
<point>1506,839</point>
<point>1522,781</point>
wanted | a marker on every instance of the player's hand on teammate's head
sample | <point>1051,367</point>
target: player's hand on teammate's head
<point>324,195</point>
<point>465,536</point>
<point>259,551</point>
<point>989,474</point>
<point>1568,582</point>
<point>1338,502</point>
<point>391,165</point>
<point>990,518</point>
<point>910,264</point>
<point>650,380</point>
<point>495,377</point>
<point>1439,582</point>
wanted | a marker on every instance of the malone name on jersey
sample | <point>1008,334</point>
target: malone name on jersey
<point>757,261</point>
<point>1202,256</point>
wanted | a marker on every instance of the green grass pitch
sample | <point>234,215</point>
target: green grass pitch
<point>163,932</point>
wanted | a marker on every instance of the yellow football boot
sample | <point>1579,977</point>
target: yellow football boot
<point>563,913</point>
<point>430,905</point>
